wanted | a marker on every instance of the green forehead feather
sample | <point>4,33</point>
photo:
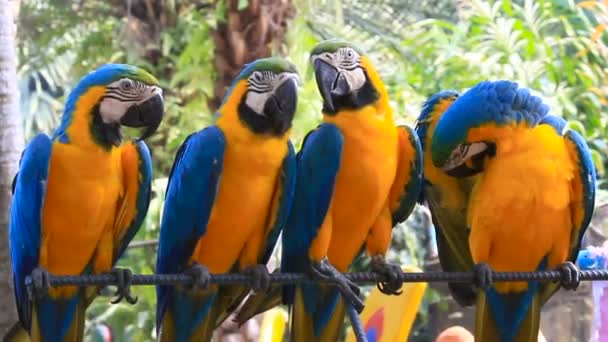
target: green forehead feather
<point>143,76</point>
<point>333,45</point>
<point>274,64</point>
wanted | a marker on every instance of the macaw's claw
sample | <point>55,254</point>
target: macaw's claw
<point>324,271</point>
<point>391,272</point>
<point>482,275</point>
<point>124,277</point>
<point>260,278</point>
<point>571,276</point>
<point>200,275</point>
<point>40,283</point>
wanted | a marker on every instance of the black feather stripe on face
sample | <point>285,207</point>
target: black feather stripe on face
<point>105,134</point>
<point>272,112</point>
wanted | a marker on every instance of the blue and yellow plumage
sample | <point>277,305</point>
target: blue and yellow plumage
<point>358,174</point>
<point>447,198</point>
<point>80,196</point>
<point>534,194</point>
<point>228,197</point>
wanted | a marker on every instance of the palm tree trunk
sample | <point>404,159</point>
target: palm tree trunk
<point>245,35</point>
<point>11,144</point>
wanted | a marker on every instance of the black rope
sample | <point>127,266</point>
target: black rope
<point>108,279</point>
<point>355,321</point>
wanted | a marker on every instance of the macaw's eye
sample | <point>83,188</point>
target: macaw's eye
<point>126,85</point>
<point>350,53</point>
<point>257,77</point>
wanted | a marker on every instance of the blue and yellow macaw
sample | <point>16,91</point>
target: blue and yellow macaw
<point>447,198</point>
<point>358,175</point>
<point>80,197</point>
<point>530,205</point>
<point>228,197</point>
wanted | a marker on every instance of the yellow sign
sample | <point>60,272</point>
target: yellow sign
<point>390,318</point>
<point>385,318</point>
<point>273,325</point>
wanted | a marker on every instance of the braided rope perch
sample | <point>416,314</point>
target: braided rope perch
<point>109,279</point>
<point>299,278</point>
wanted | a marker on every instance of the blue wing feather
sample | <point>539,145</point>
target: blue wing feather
<point>288,182</point>
<point>587,176</point>
<point>318,163</point>
<point>25,223</point>
<point>191,191</point>
<point>317,166</point>
<point>143,197</point>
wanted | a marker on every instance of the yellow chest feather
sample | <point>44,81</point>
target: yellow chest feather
<point>520,208</point>
<point>367,171</point>
<point>242,207</point>
<point>83,191</point>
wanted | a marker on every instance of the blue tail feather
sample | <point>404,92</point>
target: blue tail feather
<point>55,316</point>
<point>509,309</point>
<point>189,312</point>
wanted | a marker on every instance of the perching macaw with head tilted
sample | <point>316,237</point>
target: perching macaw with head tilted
<point>530,205</point>
<point>447,198</point>
<point>358,175</point>
<point>80,196</point>
<point>228,197</point>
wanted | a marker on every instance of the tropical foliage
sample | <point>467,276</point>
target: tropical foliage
<point>556,47</point>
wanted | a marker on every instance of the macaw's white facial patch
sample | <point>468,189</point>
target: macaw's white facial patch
<point>262,85</point>
<point>347,62</point>
<point>121,95</point>
<point>462,153</point>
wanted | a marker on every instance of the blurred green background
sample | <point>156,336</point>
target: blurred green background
<point>195,48</point>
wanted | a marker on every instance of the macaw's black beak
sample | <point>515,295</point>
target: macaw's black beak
<point>148,114</point>
<point>332,84</point>
<point>280,108</point>
<point>469,168</point>
<point>461,171</point>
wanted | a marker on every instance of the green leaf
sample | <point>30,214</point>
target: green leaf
<point>577,126</point>
<point>221,10</point>
<point>242,4</point>
<point>598,161</point>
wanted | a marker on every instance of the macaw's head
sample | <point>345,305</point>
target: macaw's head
<point>469,130</point>
<point>111,96</point>
<point>345,76</point>
<point>265,96</point>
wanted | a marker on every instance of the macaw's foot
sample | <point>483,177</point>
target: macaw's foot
<point>571,276</point>
<point>200,276</point>
<point>324,271</point>
<point>482,275</point>
<point>40,283</point>
<point>391,272</point>
<point>260,278</point>
<point>124,277</point>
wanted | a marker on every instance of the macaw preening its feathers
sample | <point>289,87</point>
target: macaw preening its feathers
<point>358,175</point>
<point>229,194</point>
<point>447,198</point>
<point>80,197</point>
<point>530,205</point>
